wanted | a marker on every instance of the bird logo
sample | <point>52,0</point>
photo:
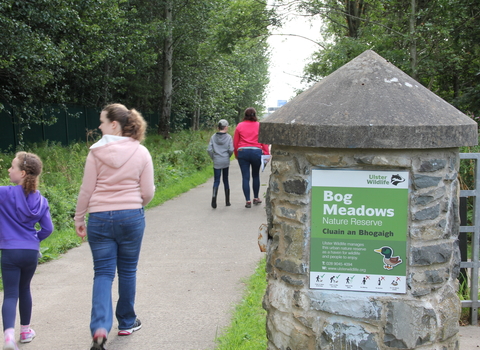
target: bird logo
<point>389,260</point>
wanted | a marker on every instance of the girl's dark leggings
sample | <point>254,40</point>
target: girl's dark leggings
<point>18,267</point>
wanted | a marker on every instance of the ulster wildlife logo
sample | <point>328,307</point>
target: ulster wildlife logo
<point>396,179</point>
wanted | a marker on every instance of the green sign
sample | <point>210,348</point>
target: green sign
<point>359,230</point>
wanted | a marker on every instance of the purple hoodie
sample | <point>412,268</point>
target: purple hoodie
<point>18,216</point>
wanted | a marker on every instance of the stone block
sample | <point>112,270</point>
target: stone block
<point>409,325</point>
<point>287,213</point>
<point>273,185</point>
<point>276,324</point>
<point>303,167</point>
<point>349,304</point>
<point>428,213</point>
<point>385,160</point>
<point>344,335</point>
<point>282,167</point>
<point>290,266</point>
<point>280,296</point>
<point>292,281</point>
<point>428,197</point>
<point>288,333</point>
<point>296,186</point>
<point>424,181</point>
<point>449,312</point>
<point>424,276</point>
<point>432,254</point>
<point>433,231</point>
<point>294,237</point>
<point>432,165</point>
<point>325,160</point>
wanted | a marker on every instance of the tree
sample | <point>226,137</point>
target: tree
<point>181,58</point>
<point>434,42</point>
<point>60,51</point>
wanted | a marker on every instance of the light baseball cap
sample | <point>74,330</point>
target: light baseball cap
<point>223,123</point>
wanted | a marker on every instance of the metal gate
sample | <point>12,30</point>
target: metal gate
<point>469,268</point>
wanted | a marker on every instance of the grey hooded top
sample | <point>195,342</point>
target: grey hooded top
<point>220,149</point>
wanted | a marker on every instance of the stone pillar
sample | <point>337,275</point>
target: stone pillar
<point>368,115</point>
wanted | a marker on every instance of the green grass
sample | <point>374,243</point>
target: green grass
<point>164,193</point>
<point>247,329</point>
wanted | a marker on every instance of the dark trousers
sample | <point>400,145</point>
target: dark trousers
<point>250,158</point>
<point>223,173</point>
<point>18,268</point>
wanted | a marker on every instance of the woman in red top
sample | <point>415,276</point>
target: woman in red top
<point>249,152</point>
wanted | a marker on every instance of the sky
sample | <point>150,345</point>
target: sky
<point>288,58</point>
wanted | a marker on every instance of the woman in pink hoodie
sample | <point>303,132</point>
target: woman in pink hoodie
<point>117,184</point>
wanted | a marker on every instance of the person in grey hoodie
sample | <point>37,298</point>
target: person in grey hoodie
<point>220,149</point>
<point>21,208</point>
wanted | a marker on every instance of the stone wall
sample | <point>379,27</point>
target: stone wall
<point>426,317</point>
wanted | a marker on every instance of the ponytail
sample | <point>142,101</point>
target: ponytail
<point>32,165</point>
<point>131,121</point>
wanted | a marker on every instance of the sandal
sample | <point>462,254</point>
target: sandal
<point>257,201</point>
<point>248,204</point>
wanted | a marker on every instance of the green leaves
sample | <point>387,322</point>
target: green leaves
<point>437,43</point>
<point>91,52</point>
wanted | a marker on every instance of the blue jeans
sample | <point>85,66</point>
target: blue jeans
<point>18,268</point>
<point>247,158</point>
<point>216,177</point>
<point>115,238</point>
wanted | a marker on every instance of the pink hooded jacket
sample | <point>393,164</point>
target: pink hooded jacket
<point>118,175</point>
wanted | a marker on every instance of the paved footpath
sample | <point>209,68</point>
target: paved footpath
<point>193,261</point>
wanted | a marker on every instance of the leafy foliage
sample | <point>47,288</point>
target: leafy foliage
<point>93,52</point>
<point>437,43</point>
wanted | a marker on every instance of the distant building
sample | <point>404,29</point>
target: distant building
<point>270,110</point>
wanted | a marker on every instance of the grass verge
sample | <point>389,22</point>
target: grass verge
<point>165,193</point>
<point>247,329</point>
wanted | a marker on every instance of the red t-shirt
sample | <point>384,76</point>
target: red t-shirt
<point>246,135</point>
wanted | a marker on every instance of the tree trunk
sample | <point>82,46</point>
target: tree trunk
<point>196,114</point>
<point>166,108</point>
<point>413,41</point>
<point>354,9</point>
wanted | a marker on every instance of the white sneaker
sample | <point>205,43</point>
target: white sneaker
<point>27,337</point>
<point>10,345</point>
<point>136,326</point>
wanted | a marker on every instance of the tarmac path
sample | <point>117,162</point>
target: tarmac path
<point>193,261</point>
<point>192,264</point>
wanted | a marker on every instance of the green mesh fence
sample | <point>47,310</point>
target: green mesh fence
<point>72,125</point>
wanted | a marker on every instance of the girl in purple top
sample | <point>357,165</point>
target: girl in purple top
<point>21,208</point>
